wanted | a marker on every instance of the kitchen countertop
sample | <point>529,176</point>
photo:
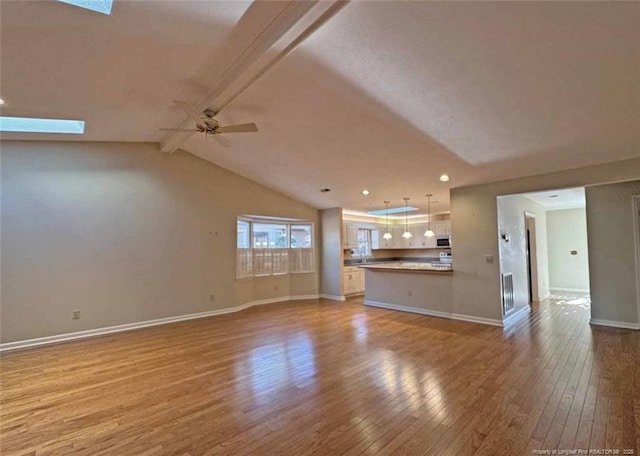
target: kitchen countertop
<point>401,266</point>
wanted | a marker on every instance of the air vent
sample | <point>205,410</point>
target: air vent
<point>508,298</point>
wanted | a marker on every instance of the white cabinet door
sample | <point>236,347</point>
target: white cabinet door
<point>397,242</point>
<point>420,242</point>
<point>350,236</point>
<point>442,228</point>
<point>353,278</point>
<point>382,242</point>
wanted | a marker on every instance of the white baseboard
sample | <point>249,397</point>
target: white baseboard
<point>570,290</point>
<point>434,313</point>
<point>614,324</point>
<point>143,324</point>
<point>515,316</point>
<point>333,297</point>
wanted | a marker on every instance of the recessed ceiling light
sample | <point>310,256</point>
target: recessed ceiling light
<point>444,178</point>
<point>365,192</point>
<point>1,101</point>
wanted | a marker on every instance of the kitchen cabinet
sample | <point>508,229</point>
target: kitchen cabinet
<point>353,280</point>
<point>350,236</point>
<point>423,242</point>
<point>382,242</point>
<point>442,228</point>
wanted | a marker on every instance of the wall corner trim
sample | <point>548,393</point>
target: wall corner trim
<point>516,316</point>
<point>434,313</point>
<point>615,324</point>
<point>144,324</point>
<point>333,297</point>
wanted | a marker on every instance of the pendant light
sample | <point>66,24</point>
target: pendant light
<point>387,234</point>
<point>407,234</point>
<point>429,233</point>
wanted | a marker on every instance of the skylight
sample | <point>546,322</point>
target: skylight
<point>32,125</point>
<point>100,6</point>
<point>392,210</point>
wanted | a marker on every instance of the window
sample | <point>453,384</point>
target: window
<point>364,242</point>
<point>273,248</point>
<point>33,125</point>
<point>99,6</point>
<point>269,236</point>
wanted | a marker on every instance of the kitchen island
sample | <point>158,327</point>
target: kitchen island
<point>424,288</point>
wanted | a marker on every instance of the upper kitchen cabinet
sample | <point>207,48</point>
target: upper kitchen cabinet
<point>442,228</point>
<point>350,236</point>
<point>421,241</point>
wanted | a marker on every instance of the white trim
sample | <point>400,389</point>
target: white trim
<point>615,324</point>
<point>570,290</point>
<point>333,297</point>
<point>434,313</point>
<point>636,237</point>
<point>143,324</point>
<point>515,316</point>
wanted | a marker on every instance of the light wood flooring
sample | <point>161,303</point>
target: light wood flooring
<point>325,378</point>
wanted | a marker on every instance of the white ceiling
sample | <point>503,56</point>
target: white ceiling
<point>385,96</point>
<point>553,200</point>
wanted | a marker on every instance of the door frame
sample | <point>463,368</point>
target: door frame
<point>532,257</point>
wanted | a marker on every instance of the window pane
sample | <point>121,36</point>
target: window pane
<point>243,235</point>
<point>269,236</point>
<point>301,237</point>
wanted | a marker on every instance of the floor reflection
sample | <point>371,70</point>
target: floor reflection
<point>266,369</point>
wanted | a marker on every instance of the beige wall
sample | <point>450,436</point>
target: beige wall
<point>513,259</point>
<point>566,232</point>
<point>612,262</point>
<point>125,233</point>
<point>476,284</point>
<point>331,228</point>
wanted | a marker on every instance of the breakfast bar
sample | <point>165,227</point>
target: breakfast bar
<point>424,288</point>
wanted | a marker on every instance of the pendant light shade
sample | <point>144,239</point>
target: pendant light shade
<point>407,234</point>
<point>429,232</point>
<point>387,234</point>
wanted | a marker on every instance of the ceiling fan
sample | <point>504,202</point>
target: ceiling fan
<point>209,125</point>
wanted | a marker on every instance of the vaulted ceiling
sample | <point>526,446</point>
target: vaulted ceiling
<point>385,95</point>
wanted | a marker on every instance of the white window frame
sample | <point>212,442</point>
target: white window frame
<point>245,271</point>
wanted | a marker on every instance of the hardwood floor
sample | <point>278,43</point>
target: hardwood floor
<point>318,378</point>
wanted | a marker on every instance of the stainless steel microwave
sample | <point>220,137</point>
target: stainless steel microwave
<point>443,241</point>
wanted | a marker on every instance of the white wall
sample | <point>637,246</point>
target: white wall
<point>474,226</point>
<point>513,257</point>
<point>125,233</point>
<point>567,232</point>
<point>612,261</point>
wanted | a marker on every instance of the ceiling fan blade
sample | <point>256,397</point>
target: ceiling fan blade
<point>224,142</point>
<point>179,129</point>
<point>240,128</point>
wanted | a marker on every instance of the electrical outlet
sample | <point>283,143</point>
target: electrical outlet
<point>488,259</point>
<point>212,298</point>
<point>275,288</point>
<point>75,314</point>
<point>410,293</point>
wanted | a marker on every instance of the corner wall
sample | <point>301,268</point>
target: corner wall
<point>513,258</point>
<point>612,262</point>
<point>474,230</point>
<point>125,233</point>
